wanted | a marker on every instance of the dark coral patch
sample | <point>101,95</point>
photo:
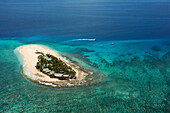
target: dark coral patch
<point>156,48</point>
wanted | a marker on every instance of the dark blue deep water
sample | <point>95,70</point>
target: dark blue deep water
<point>132,76</point>
<point>101,19</point>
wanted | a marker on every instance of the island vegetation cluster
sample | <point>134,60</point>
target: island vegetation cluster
<point>54,67</point>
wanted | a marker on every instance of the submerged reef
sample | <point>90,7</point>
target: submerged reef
<point>166,58</point>
<point>156,48</point>
<point>167,43</point>
<point>143,78</point>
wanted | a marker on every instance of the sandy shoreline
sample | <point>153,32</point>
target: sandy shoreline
<point>29,60</point>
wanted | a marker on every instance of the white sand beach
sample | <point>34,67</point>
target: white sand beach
<point>30,58</point>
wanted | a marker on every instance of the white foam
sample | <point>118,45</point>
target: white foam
<point>28,73</point>
<point>84,39</point>
<point>69,85</point>
<point>48,84</point>
<point>17,53</point>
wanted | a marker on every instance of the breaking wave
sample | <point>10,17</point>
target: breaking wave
<point>68,85</point>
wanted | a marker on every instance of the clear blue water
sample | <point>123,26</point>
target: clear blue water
<point>133,75</point>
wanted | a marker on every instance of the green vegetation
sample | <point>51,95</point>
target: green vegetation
<point>54,67</point>
<point>39,53</point>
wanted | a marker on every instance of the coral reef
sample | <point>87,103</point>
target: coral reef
<point>156,48</point>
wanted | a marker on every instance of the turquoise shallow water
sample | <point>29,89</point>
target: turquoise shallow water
<point>129,76</point>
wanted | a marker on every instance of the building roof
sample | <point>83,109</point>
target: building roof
<point>58,74</point>
<point>46,70</point>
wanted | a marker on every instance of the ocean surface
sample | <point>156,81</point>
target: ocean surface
<point>130,58</point>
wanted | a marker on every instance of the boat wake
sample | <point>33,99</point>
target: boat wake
<point>84,39</point>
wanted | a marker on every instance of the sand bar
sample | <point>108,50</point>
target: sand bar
<point>30,58</point>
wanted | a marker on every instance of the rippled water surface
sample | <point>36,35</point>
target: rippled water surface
<point>132,75</point>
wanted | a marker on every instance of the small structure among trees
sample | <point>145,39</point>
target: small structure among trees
<point>54,67</point>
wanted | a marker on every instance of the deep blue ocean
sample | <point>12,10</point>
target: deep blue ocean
<point>130,76</point>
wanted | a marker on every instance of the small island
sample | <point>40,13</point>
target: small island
<point>45,65</point>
